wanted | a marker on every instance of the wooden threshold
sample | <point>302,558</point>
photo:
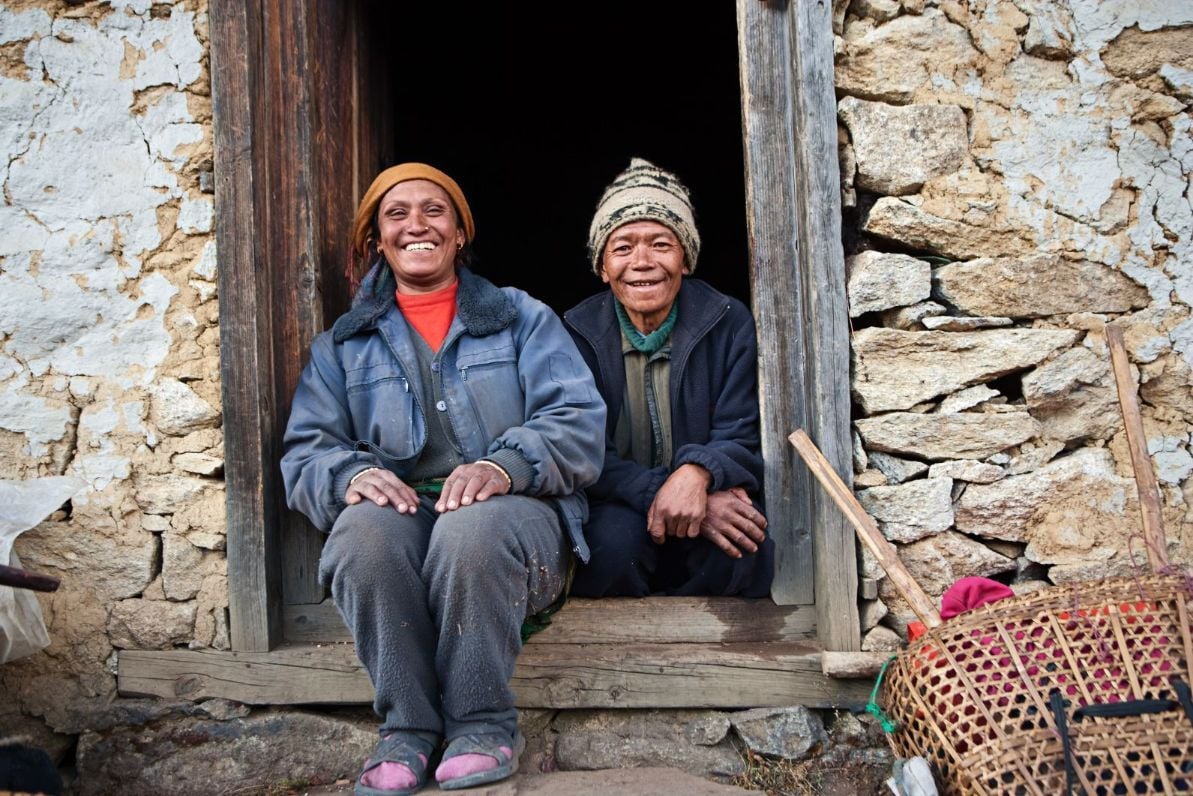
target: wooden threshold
<point>651,653</point>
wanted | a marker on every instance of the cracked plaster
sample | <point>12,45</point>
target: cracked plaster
<point>1073,155</point>
<point>107,269</point>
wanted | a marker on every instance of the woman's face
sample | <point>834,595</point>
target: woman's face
<point>419,235</point>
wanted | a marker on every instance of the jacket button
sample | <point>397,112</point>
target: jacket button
<point>441,406</point>
<point>434,367</point>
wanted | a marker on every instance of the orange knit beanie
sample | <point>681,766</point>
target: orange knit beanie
<point>366,211</point>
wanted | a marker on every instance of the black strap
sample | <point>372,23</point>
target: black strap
<point>1182,693</point>
<point>1057,703</point>
<point>1138,707</point>
<point>1135,707</point>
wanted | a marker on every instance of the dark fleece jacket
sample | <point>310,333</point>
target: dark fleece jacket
<point>714,398</point>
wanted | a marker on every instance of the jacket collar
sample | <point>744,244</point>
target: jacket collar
<point>480,305</point>
<point>700,307</point>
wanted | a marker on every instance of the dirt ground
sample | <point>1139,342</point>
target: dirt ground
<point>629,781</point>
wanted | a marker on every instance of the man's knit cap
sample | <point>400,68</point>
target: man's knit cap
<point>644,192</point>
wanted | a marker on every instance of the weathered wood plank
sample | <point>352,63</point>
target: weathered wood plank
<point>679,676</point>
<point>793,187</point>
<point>547,676</point>
<point>292,205</point>
<point>853,664</point>
<point>662,620</point>
<point>826,319</point>
<point>769,138</point>
<point>246,340</point>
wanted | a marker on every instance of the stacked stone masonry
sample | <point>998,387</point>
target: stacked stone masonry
<point>1016,175</point>
<point>109,341</point>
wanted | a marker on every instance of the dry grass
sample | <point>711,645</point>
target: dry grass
<point>812,777</point>
<point>775,777</point>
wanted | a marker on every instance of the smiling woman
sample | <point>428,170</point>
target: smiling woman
<point>419,236</point>
<point>449,502</point>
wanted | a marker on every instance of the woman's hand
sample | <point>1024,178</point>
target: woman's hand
<point>732,523</point>
<point>469,482</point>
<point>383,488</point>
<point>679,505</point>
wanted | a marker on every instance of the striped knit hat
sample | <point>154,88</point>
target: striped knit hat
<point>644,192</point>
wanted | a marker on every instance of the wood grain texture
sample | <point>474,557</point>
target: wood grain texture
<point>292,202</point>
<point>547,676</point>
<point>246,361</point>
<point>853,665</point>
<point>660,620</point>
<point>765,60</point>
<point>826,314</point>
<point>867,530</point>
<point>798,273</point>
<point>1150,505</point>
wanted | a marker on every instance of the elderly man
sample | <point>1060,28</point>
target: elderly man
<point>676,509</point>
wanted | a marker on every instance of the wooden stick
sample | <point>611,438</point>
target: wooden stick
<point>23,579</point>
<point>867,530</point>
<point>1141,463</point>
<point>849,665</point>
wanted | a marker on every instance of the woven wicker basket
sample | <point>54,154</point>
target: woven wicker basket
<point>975,695</point>
<point>1082,688</point>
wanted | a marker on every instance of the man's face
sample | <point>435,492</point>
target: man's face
<point>643,264</point>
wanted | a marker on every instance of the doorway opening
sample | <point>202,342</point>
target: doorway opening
<point>534,112</point>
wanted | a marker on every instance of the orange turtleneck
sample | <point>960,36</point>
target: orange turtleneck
<point>430,314</point>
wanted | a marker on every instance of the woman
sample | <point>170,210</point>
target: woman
<point>442,434</point>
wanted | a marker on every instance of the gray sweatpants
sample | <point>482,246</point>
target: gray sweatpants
<point>435,604</point>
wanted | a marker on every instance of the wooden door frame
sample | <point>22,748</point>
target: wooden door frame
<point>797,272</point>
<point>276,186</point>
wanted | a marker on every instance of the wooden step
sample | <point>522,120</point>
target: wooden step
<point>546,676</point>
<point>618,620</point>
<point>659,652</point>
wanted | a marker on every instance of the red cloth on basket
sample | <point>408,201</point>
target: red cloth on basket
<point>969,593</point>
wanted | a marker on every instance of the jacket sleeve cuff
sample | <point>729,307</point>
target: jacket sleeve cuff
<point>521,471</point>
<point>694,454</point>
<point>339,483</point>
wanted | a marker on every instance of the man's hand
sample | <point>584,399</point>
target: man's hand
<point>732,523</point>
<point>469,482</point>
<point>679,505</point>
<point>383,488</point>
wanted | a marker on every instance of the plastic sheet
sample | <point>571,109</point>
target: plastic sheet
<point>24,504</point>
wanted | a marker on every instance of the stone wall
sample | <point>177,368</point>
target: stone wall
<point>1016,176</point>
<point>109,339</point>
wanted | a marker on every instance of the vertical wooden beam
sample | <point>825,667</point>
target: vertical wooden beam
<point>291,155</point>
<point>246,354</point>
<point>798,274</point>
<point>826,329</point>
<point>764,54</point>
<point>292,202</point>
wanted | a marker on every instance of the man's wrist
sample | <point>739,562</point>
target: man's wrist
<point>701,471</point>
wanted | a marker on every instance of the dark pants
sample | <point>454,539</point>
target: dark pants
<point>626,563</point>
<point>436,602</point>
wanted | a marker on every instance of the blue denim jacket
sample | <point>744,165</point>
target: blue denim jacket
<point>512,379</point>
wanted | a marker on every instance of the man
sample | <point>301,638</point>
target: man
<point>676,509</point>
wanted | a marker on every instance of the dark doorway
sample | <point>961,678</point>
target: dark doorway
<point>534,107</point>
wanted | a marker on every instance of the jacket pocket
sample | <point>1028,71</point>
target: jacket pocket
<point>383,410</point>
<point>490,381</point>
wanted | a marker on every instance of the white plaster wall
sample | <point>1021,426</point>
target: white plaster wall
<point>108,333</point>
<point>1077,116</point>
